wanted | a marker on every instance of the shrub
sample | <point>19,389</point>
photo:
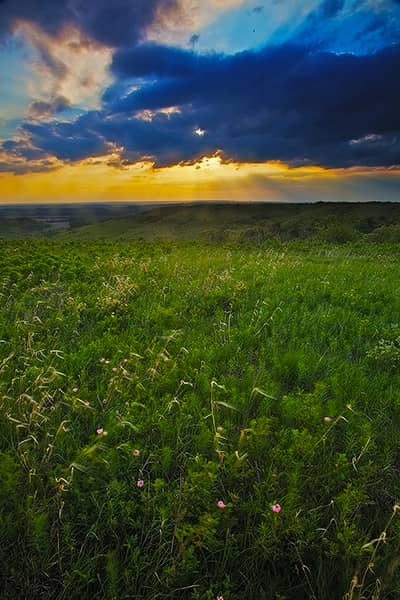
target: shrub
<point>339,233</point>
<point>389,234</point>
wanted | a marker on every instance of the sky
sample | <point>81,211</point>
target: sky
<point>185,100</point>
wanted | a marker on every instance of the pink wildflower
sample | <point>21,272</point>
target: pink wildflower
<point>327,419</point>
<point>276,508</point>
<point>114,369</point>
<point>220,598</point>
<point>221,504</point>
<point>140,483</point>
<point>100,431</point>
<point>136,452</point>
<point>86,403</point>
<point>75,389</point>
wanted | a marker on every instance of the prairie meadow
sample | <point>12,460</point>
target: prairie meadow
<point>199,421</point>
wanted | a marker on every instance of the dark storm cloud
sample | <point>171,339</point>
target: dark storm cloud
<point>280,103</point>
<point>114,23</point>
<point>283,103</point>
<point>68,141</point>
<point>153,60</point>
<point>164,139</point>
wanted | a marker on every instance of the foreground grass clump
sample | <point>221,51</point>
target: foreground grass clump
<point>197,421</point>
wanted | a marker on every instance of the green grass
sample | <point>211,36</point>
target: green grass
<point>225,362</point>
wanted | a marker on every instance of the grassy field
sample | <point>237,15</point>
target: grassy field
<point>194,421</point>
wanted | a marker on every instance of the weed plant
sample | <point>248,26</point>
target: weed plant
<point>194,421</point>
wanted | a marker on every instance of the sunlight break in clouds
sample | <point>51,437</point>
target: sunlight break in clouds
<point>106,179</point>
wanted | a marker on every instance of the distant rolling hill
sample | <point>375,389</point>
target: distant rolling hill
<point>250,223</point>
<point>228,222</point>
<point>20,221</point>
<point>20,228</point>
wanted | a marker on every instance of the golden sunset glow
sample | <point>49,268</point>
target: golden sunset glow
<point>209,179</point>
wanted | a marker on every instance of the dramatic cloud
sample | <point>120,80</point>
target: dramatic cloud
<point>116,23</point>
<point>67,141</point>
<point>46,69</point>
<point>284,103</point>
<point>302,101</point>
<point>40,108</point>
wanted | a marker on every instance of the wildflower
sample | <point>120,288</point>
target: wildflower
<point>100,431</point>
<point>102,360</point>
<point>220,598</point>
<point>86,403</point>
<point>75,389</point>
<point>107,361</point>
<point>140,483</point>
<point>327,419</point>
<point>136,452</point>
<point>221,504</point>
<point>114,369</point>
<point>276,508</point>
